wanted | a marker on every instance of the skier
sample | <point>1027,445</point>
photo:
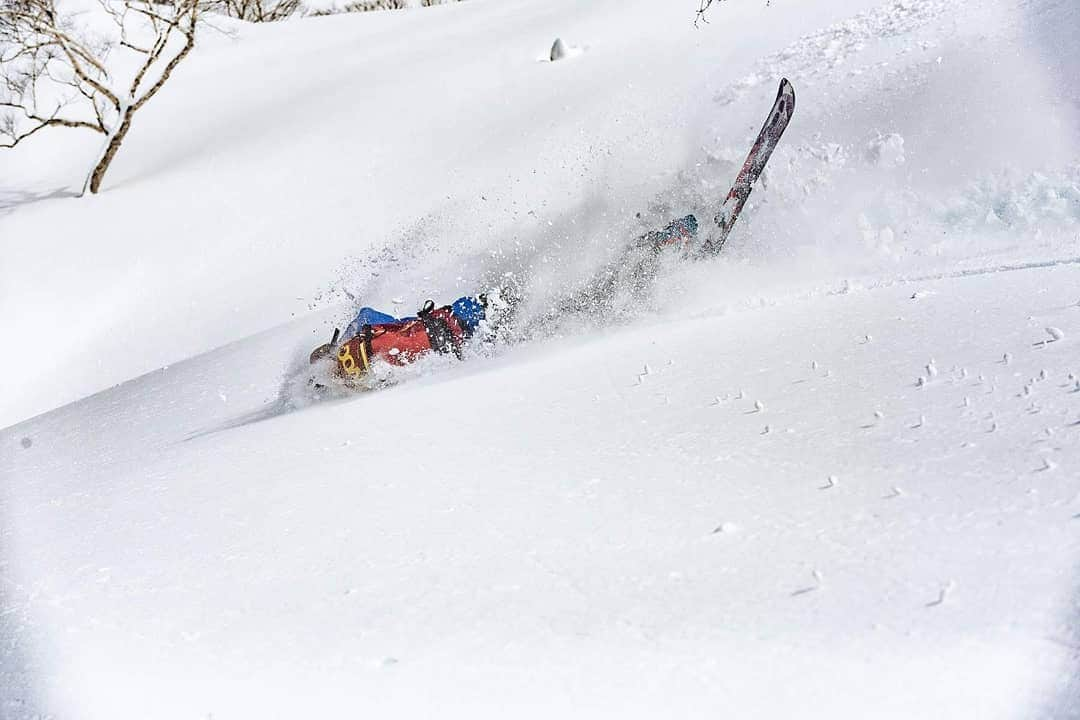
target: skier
<point>375,335</point>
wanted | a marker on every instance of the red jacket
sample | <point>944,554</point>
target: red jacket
<point>402,342</point>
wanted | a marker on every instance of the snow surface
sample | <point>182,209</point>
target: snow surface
<point>834,473</point>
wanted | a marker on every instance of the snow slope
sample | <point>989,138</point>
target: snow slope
<point>834,473</point>
<point>298,146</point>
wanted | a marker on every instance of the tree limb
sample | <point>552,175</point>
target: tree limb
<point>42,122</point>
<point>171,65</point>
<point>703,7</point>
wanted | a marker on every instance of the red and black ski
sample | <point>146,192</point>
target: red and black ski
<point>766,142</point>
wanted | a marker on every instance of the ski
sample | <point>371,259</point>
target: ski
<point>763,147</point>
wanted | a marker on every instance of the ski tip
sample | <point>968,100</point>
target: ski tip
<point>787,91</point>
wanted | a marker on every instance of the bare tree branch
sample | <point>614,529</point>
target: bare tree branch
<point>257,10</point>
<point>703,7</point>
<point>41,122</point>
<point>190,12</point>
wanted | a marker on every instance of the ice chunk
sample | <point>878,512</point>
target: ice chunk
<point>886,151</point>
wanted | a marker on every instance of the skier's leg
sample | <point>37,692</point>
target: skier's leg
<point>629,277</point>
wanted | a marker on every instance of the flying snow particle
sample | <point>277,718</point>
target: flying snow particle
<point>943,594</point>
<point>558,50</point>
<point>819,582</point>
